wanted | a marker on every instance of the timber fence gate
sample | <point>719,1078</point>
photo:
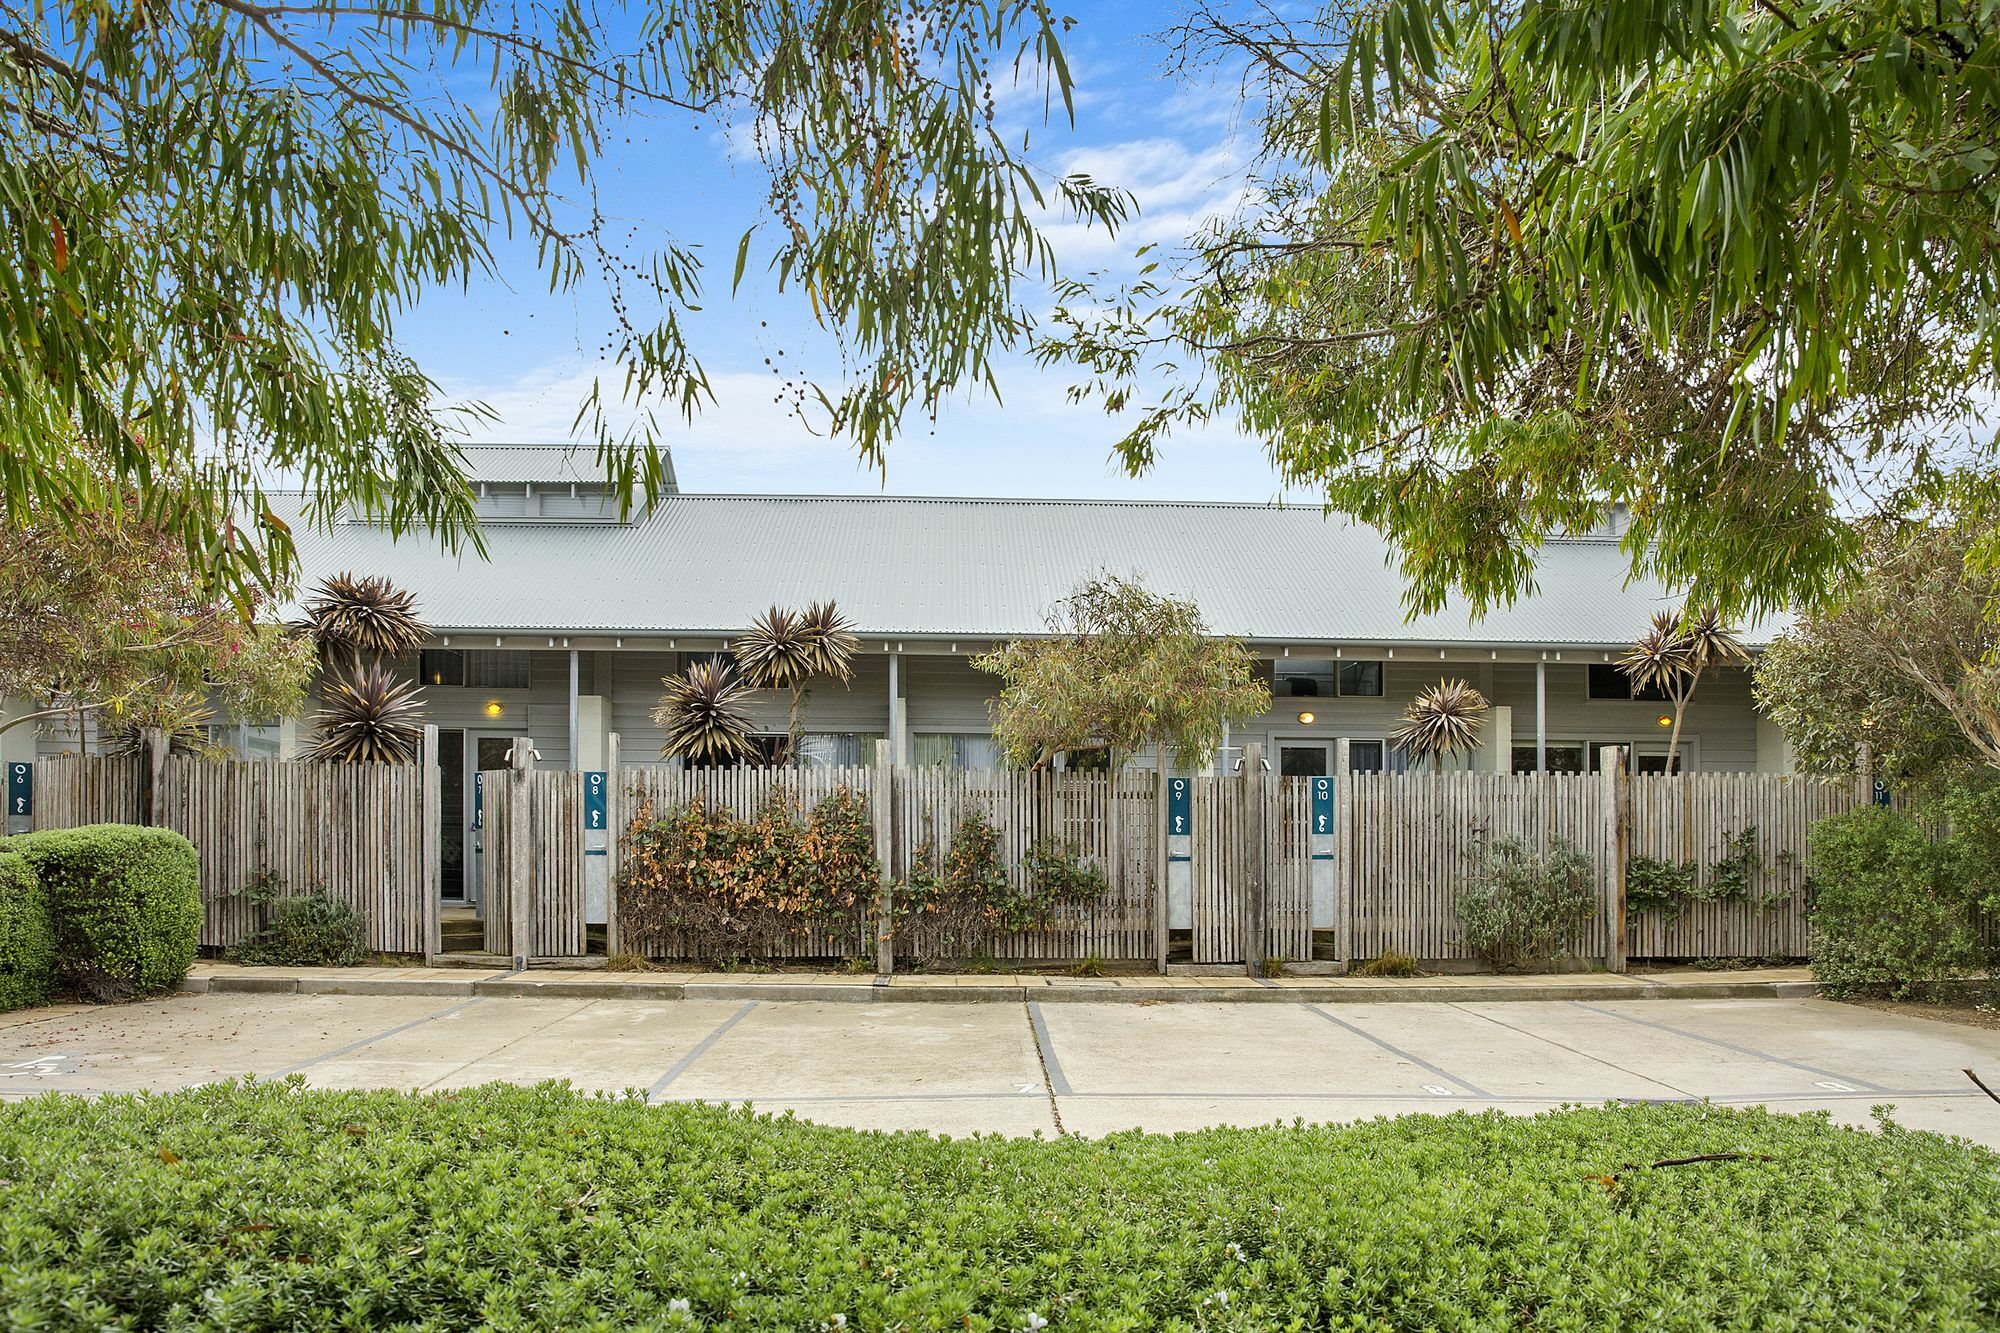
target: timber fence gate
<point>365,833</point>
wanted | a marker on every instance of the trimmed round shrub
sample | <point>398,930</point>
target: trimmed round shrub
<point>27,937</point>
<point>309,930</point>
<point>126,903</point>
<point>1891,914</point>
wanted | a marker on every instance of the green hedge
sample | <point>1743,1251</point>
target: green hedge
<point>271,1206</point>
<point>27,937</point>
<point>126,905</point>
<point>1893,909</point>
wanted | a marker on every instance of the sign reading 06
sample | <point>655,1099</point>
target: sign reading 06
<point>20,789</point>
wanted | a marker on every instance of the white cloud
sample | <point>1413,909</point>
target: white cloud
<point>1178,186</point>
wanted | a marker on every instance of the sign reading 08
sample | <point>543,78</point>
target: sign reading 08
<point>20,789</point>
<point>593,800</point>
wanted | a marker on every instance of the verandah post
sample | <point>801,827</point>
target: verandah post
<point>882,808</point>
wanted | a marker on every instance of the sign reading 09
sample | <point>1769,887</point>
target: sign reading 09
<point>1179,820</point>
<point>20,789</point>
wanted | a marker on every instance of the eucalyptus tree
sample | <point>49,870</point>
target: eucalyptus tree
<point>1732,265</point>
<point>1121,670</point>
<point>216,217</point>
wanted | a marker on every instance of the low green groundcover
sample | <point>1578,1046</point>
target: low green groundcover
<point>269,1206</point>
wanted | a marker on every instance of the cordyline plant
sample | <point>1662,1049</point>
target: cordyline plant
<point>701,717</point>
<point>368,716</point>
<point>1444,719</point>
<point>356,618</point>
<point>785,649</point>
<point>1673,655</point>
<point>1123,669</point>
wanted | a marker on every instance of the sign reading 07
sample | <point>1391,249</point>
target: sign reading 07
<point>20,789</point>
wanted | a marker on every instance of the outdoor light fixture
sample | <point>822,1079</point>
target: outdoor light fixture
<point>1663,721</point>
<point>1308,718</point>
<point>493,708</point>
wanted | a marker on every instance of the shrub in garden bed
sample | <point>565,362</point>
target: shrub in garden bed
<point>27,936</point>
<point>269,1205</point>
<point>1893,908</point>
<point>125,903</point>
<point>1525,908</point>
<point>700,880</point>
<point>310,929</point>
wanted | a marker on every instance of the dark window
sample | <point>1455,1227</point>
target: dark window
<point>1363,679</point>
<point>1609,681</point>
<point>442,666</point>
<point>1364,756</point>
<point>1563,757</point>
<point>490,669</point>
<point>1302,761</point>
<point>1303,687</point>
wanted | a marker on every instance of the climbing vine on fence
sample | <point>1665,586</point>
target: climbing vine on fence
<point>955,903</point>
<point>1670,887</point>
<point>701,881</point>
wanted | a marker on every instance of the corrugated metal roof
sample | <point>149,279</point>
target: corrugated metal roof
<point>977,568</point>
<point>546,464</point>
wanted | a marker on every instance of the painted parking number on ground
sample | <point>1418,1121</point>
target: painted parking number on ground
<point>1322,806</point>
<point>593,800</point>
<point>1179,819</point>
<point>21,789</point>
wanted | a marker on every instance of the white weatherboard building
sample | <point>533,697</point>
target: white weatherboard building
<point>564,631</point>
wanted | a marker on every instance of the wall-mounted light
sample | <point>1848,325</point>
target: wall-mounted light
<point>493,708</point>
<point>1663,721</point>
<point>1308,718</point>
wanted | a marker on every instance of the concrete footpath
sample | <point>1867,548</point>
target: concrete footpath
<point>598,984</point>
<point>1248,1055</point>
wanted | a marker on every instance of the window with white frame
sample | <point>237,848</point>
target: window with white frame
<point>956,749</point>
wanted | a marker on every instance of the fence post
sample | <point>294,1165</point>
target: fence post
<point>1617,838</point>
<point>155,743</point>
<point>616,821</point>
<point>1343,862</point>
<point>1160,904</point>
<point>520,853</point>
<point>430,839</point>
<point>1255,856</point>
<point>883,810</point>
<point>1864,775</point>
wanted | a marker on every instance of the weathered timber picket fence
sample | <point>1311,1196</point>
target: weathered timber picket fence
<point>366,833</point>
<point>1252,881</point>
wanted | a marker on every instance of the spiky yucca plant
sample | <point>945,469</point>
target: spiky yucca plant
<point>368,716</point>
<point>1671,657</point>
<point>357,617</point>
<point>1442,720</point>
<point>701,716</point>
<point>784,649</point>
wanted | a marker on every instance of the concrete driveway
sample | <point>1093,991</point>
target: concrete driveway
<point>1082,1067</point>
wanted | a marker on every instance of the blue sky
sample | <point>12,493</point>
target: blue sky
<point>1176,145</point>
